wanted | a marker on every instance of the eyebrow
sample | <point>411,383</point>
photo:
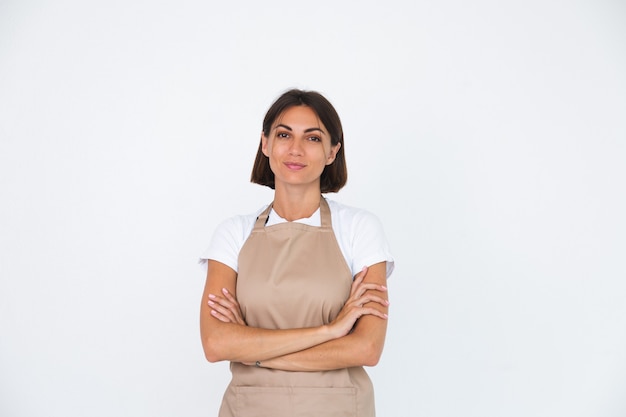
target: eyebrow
<point>311,129</point>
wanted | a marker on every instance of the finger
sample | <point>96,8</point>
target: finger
<point>225,303</point>
<point>361,275</point>
<point>356,313</point>
<point>374,312</point>
<point>220,300</point>
<point>369,298</point>
<point>373,286</point>
<point>220,316</point>
<point>223,311</point>
<point>359,312</point>
<point>229,296</point>
<point>358,279</point>
<point>232,306</point>
<point>238,317</point>
<point>364,288</point>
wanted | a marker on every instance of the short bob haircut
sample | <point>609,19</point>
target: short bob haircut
<point>335,175</point>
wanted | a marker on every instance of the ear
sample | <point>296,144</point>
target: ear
<point>264,145</point>
<point>333,153</point>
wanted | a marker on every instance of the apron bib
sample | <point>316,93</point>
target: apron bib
<point>293,275</point>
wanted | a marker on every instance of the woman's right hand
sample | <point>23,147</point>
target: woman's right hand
<point>361,293</point>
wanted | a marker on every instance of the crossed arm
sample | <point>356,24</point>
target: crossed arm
<point>225,336</point>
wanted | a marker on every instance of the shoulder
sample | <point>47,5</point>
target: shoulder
<point>238,226</point>
<point>228,238</point>
<point>349,216</point>
<point>361,236</point>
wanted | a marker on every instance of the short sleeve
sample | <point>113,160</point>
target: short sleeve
<point>226,242</point>
<point>369,243</point>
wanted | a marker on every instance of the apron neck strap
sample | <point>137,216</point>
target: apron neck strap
<point>324,215</point>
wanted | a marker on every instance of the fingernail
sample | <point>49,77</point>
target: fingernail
<point>383,287</point>
<point>386,316</point>
<point>224,290</point>
<point>387,301</point>
<point>211,303</point>
<point>211,296</point>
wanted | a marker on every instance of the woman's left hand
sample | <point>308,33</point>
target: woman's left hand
<point>226,308</point>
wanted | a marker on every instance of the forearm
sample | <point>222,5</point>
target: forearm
<point>327,356</point>
<point>225,335</point>
<point>237,343</point>
<point>360,348</point>
<point>233,340</point>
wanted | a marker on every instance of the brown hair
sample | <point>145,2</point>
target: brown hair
<point>335,175</point>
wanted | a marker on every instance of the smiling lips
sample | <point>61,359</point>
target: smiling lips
<point>294,166</point>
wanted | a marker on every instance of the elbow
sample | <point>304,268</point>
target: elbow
<point>211,356</point>
<point>212,352</point>
<point>371,359</point>
<point>214,343</point>
<point>367,348</point>
<point>371,354</point>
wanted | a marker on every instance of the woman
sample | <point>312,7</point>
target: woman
<point>295,295</point>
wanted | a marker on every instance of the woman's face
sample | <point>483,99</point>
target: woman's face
<point>298,148</point>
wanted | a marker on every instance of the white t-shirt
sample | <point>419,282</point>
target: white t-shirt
<point>359,233</point>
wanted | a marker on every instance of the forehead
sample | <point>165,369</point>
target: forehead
<point>299,116</point>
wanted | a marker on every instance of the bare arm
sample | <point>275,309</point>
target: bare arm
<point>362,346</point>
<point>224,338</point>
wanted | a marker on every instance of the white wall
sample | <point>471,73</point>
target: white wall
<point>488,136</point>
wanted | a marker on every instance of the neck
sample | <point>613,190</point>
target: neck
<point>296,204</point>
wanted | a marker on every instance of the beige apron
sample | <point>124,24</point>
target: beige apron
<point>292,275</point>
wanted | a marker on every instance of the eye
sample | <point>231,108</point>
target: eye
<point>282,135</point>
<point>315,139</point>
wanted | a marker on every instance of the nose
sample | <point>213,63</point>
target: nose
<point>295,148</point>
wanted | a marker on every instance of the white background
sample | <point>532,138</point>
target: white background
<point>489,137</point>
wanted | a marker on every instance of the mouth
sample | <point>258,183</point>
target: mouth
<point>294,166</point>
